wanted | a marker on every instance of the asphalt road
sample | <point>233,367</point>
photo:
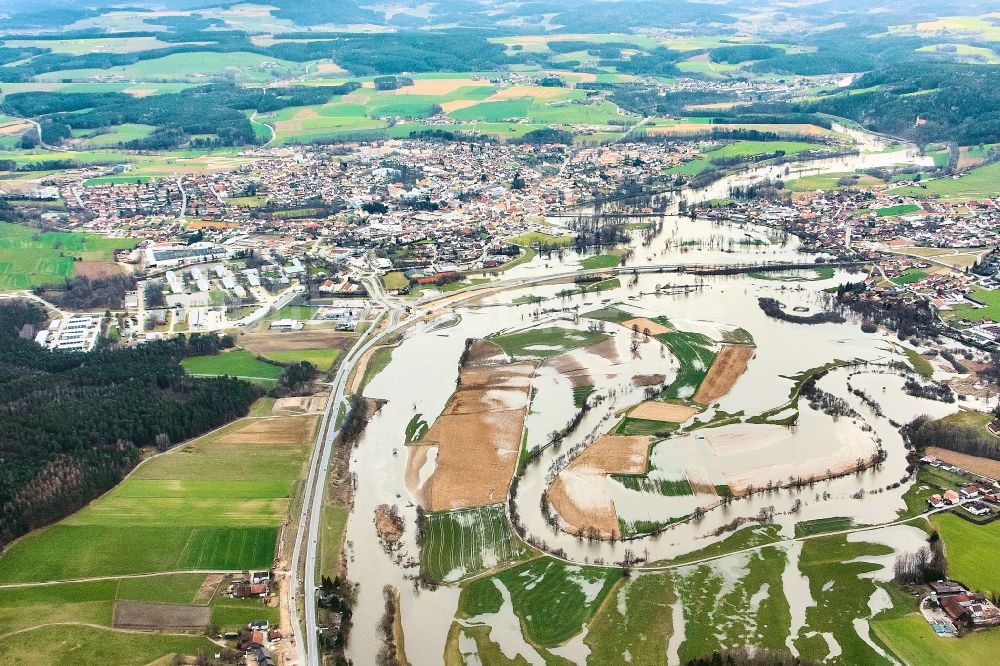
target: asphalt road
<point>307,536</point>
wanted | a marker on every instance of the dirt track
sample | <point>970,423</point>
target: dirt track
<point>728,367</point>
<point>580,494</point>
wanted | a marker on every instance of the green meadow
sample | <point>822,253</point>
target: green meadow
<point>911,639</point>
<point>545,342</point>
<point>321,358</point>
<point>967,544</point>
<point>114,135</point>
<point>694,353</point>
<point>463,543</point>
<point>235,363</point>
<point>30,257</point>
<point>975,183</point>
<point>214,504</point>
<point>89,645</point>
<point>553,600</point>
<point>969,311</point>
<point>194,67</point>
<point>899,209</point>
<point>93,603</point>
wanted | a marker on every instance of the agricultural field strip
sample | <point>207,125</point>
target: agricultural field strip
<point>503,548</point>
<point>751,549</point>
<point>93,579</point>
<point>117,489</point>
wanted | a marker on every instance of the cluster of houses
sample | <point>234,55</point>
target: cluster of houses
<point>853,223</point>
<point>975,498</point>
<point>260,637</point>
<point>161,198</point>
<point>448,203</point>
<point>255,586</point>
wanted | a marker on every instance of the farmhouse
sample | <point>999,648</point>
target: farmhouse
<point>950,497</point>
<point>971,608</point>
<point>977,508</point>
<point>970,491</point>
<point>247,591</point>
<point>262,657</point>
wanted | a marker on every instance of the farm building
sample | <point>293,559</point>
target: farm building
<point>286,325</point>
<point>971,607</point>
<point>245,591</point>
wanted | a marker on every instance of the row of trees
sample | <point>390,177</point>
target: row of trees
<point>83,293</point>
<point>924,431</point>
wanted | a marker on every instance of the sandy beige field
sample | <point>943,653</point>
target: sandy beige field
<point>975,464</point>
<point>855,445</point>
<point>327,338</point>
<point>646,324</point>
<point>607,350</point>
<point>483,353</point>
<point>330,68</point>
<point>728,367</point>
<point>477,438</point>
<point>537,92</point>
<point>16,127</point>
<point>286,430</point>
<point>96,269</point>
<point>570,367</point>
<point>457,104</point>
<point>580,494</point>
<point>654,410</point>
<point>476,459</point>
<point>296,406</point>
<point>648,380</point>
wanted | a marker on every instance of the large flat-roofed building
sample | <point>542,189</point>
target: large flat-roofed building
<point>179,255</point>
<point>286,325</point>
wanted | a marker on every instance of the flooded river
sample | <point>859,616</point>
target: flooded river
<point>424,369</point>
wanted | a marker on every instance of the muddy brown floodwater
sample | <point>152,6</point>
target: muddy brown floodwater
<point>421,379</point>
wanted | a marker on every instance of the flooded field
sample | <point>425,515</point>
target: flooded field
<point>595,410</point>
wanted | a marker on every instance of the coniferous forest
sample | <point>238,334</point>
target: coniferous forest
<point>72,424</point>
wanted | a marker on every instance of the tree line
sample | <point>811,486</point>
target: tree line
<point>924,431</point>
<point>216,109</point>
